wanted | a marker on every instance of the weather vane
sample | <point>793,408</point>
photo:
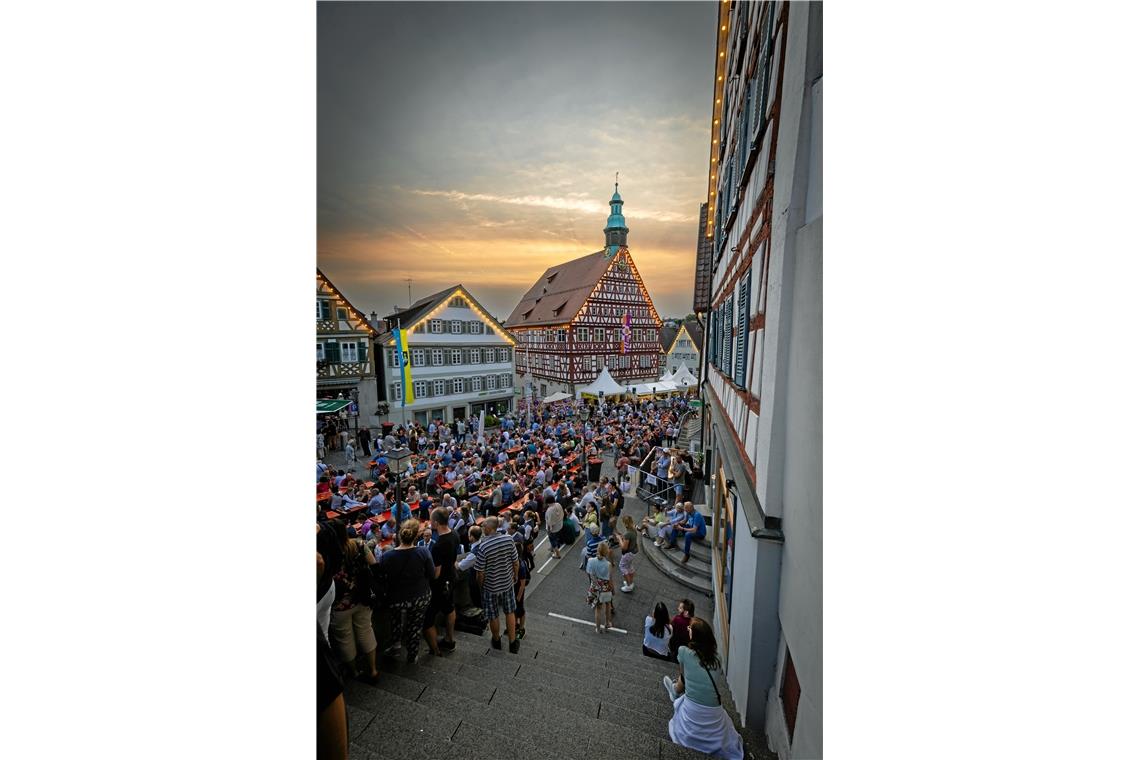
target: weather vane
<point>615,179</point>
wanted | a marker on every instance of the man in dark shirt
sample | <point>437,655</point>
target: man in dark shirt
<point>444,552</point>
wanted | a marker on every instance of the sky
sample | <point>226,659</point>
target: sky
<point>476,143</point>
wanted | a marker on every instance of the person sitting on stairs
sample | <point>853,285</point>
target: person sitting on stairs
<point>693,528</point>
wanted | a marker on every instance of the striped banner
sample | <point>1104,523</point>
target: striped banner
<point>404,359</point>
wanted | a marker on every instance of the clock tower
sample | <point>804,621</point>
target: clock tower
<point>615,230</point>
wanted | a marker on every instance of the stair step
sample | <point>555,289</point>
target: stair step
<point>698,581</point>
<point>698,550</point>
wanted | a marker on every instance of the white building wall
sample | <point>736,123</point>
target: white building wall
<point>493,337</point>
<point>781,609</point>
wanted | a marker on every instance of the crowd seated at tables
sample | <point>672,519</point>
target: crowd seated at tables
<point>459,492</point>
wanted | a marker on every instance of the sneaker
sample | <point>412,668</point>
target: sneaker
<point>496,643</point>
<point>669,688</point>
<point>447,646</point>
<point>514,646</point>
<point>627,588</point>
<point>520,633</point>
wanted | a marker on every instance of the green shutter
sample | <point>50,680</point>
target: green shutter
<point>332,352</point>
<point>362,351</point>
<point>324,309</point>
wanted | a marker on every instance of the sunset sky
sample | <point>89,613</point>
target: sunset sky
<point>476,143</point>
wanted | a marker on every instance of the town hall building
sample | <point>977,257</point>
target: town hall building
<point>586,314</point>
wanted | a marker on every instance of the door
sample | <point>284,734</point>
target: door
<point>459,413</point>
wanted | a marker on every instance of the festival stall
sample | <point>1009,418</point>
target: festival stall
<point>603,385</point>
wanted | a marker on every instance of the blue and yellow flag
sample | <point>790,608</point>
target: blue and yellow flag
<point>405,366</point>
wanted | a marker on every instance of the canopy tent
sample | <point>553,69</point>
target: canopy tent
<point>666,377</point>
<point>332,405</point>
<point>559,396</point>
<point>604,384</point>
<point>683,378</point>
<point>653,388</point>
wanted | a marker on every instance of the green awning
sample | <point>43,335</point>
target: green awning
<point>330,405</point>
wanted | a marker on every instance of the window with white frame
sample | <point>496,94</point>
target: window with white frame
<point>348,352</point>
<point>456,326</point>
<point>397,391</point>
<point>420,388</point>
<point>475,356</point>
<point>342,314</point>
<point>457,385</point>
<point>599,335</point>
<point>456,356</point>
<point>503,356</point>
<point>436,325</point>
<point>476,383</point>
<point>560,336</point>
<point>506,381</point>
<point>475,328</point>
<point>492,382</point>
<point>582,334</point>
<point>440,388</point>
<point>417,357</point>
<point>489,355</point>
<point>437,356</point>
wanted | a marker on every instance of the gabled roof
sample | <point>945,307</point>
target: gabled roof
<point>409,315</point>
<point>560,292</point>
<point>355,311</point>
<point>696,331</point>
<point>667,336</point>
<point>424,307</point>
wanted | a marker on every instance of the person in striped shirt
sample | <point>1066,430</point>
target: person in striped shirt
<point>497,569</point>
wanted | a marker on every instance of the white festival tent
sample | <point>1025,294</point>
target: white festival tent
<point>667,377</point>
<point>658,386</point>
<point>559,396</point>
<point>604,384</point>
<point>683,378</point>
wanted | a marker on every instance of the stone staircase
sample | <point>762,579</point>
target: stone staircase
<point>690,431</point>
<point>697,572</point>
<point>569,693</point>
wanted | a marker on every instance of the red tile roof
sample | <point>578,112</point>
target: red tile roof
<point>559,293</point>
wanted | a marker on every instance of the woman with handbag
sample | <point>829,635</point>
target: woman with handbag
<point>350,628</point>
<point>699,721</point>
<point>406,573</point>
<point>600,592</point>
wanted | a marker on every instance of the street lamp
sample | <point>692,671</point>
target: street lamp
<point>397,458</point>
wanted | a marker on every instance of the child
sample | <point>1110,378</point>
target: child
<point>628,549</point>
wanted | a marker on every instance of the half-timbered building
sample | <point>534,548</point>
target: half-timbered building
<point>461,360</point>
<point>763,365</point>
<point>588,313</point>
<point>345,366</point>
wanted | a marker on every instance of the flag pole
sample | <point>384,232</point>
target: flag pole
<point>403,391</point>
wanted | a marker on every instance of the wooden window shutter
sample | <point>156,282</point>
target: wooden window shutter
<point>324,309</point>
<point>790,694</point>
<point>362,351</point>
<point>742,327</point>
<point>332,352</point>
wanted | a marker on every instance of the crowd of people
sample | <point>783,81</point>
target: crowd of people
<point>456,526</point>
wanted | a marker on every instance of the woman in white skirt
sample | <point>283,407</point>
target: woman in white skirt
<point>699,721</point>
